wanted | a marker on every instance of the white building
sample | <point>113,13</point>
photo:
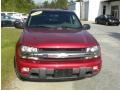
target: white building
<point>90,9</point>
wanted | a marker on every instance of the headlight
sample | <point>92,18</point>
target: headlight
<point>93,52</point>
<point>26,51</point>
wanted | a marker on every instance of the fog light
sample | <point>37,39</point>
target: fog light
<point>95,67</point>
<point>25,69</point>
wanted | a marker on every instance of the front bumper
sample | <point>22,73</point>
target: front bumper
<point>40,70</point>
<point>49,74</point>
<point>114,23</point>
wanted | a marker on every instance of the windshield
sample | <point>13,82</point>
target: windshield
<point>53,19</point>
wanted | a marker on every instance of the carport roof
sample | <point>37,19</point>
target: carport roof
<point>47,9</point>
<point>110,0</point>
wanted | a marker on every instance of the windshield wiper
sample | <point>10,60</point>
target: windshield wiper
<point>69,27</point>
<point>43,26</point>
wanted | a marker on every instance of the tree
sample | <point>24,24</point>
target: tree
<point>46,4</point>
<point>53,4</point>
<point>17,5</point>
<point>61,4</point>
<point>56,4</point>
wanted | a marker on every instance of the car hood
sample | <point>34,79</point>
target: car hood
<point>57,38</point>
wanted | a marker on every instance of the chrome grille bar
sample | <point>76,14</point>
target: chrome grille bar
<point>61,55</point>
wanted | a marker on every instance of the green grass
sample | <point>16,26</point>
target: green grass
<point>8,42</point>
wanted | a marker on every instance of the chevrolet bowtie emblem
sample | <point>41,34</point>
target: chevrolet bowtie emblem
<point>61,55</point>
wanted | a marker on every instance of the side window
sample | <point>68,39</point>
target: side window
<point>74,20</point>
<point>101,17</point>
<point>105,17</point>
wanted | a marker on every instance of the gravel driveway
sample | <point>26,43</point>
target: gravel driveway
<point>107,79</point>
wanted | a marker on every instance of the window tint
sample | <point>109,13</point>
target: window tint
<point>53,19</point>
<point>102,16</point>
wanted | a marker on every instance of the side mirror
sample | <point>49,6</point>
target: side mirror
<point>19,25</point>
<point>86,26</point>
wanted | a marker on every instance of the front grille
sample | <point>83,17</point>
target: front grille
<point>61,53</point>
<point>65,50</point>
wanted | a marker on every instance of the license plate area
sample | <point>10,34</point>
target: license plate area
<point>63,72</point>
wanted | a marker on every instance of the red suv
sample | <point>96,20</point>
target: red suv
<point>55,45</point>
